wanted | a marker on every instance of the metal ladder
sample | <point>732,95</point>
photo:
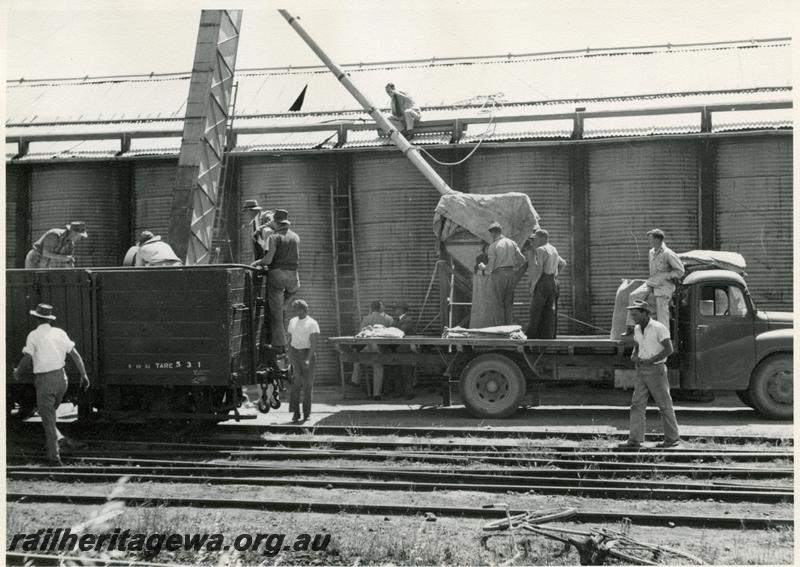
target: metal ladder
<point>345,272</point>
<point>220,235</point>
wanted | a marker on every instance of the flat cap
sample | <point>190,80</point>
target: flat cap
<point>496,226</point>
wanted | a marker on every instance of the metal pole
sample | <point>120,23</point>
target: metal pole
<point>409,150</point>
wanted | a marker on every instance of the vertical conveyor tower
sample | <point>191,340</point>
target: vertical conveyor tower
<point>196,195</point>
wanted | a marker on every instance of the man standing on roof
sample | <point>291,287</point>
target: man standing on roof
<point>55,247</point>
<point>665,268</point>
<point>281,257</point>
<point>45,351</point>
<point>154,252</point>
<point>653,346</point>
<point>544,263</point>
<point>405,112</point>
<point>504,259</point>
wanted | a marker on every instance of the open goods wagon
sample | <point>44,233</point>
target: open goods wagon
<point>163,343</point>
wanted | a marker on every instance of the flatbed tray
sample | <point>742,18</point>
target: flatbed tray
<point>563,341</point>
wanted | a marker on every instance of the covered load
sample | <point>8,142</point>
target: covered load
<point>461,223</point>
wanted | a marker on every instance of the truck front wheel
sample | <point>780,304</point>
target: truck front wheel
<point>492,385</point>
<point>771,387</point>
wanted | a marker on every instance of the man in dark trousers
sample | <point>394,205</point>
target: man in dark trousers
<point>544,263</point>
<point>45,351</point>
<point>281,257</point>
<point>407,324</point>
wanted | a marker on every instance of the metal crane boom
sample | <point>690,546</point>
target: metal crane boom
<point>409,150</point>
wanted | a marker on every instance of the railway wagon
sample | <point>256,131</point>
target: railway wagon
<point>158,343</point>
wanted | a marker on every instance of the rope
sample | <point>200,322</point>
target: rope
<point>494,99</point>
<point>584,323</point>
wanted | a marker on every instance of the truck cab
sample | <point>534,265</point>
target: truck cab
<point>724,343</point>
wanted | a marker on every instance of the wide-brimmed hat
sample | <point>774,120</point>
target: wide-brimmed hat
<point>78,227</point>
<point>496,226</point>
<point>145,236</point>
<point>251,205</point>
<point>642,305</point>
<point>281,216</point>
<point>43,311</point>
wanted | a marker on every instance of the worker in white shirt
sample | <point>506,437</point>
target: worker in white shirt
<point>303,334</point>
<point>653,346</point>
<point>665,269</point>
<point>544,264</point>
<point>46,350</point>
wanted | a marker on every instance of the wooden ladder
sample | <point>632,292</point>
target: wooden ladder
<point>345,271</point>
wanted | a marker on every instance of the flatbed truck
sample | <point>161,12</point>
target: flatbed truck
<point>722,342</point>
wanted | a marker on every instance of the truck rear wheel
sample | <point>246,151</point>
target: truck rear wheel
<point>492,385</point>
<point>771,387</point>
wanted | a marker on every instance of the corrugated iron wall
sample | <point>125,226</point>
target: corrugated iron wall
<point>543,174</point>
<point>395,245</point>
<point>634,187</point>
<point>153,184</point>
<point>14,184</point>
<point>753,203</point>
<point>301,185</point>
<point>88,192</point>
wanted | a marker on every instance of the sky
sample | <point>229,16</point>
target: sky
<point>60,39</point>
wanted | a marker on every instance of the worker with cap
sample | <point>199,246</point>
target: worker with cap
<point>303,334</point>
<point>154,252</point>
<point>281,257</point>
<point>405,112</point>
<point>55,248</point>
<point>544,264</point>
<point>45,351</point>
<point>650,352</point>
<point>504,259</point>
<point>256,220</point>
<point>665,267</point>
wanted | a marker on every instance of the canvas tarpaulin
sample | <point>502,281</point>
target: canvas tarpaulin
<point>474,212</point>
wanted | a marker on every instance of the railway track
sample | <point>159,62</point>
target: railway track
<point>416,482</point>
<point>583,516</point>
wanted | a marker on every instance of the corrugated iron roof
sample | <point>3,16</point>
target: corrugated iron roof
<point>519,79</point>
<point>752,120</point>
<point>154,147</point>
<point>523,130</point>
<point>648,125</point>
<point>286,141</point>
<point>87,149</point>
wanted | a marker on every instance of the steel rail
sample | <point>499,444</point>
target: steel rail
<point>523,474</point>
<point>278,454</point>
<point>598,516</point>
<point>587,488</point>
<point>441,456</point>
<point>428,432</point>
<point>41,559</point>
<point>450,447</point>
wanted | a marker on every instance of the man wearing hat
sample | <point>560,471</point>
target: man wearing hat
<point>154,252</point>
<point>256,220</point>
<point>504,259</point>
<point>665,266</point>
<point>45,350</point>
<point>281,257</point>
<point>55,247</point>
<point>653,346</point>
<point>544,263</point>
